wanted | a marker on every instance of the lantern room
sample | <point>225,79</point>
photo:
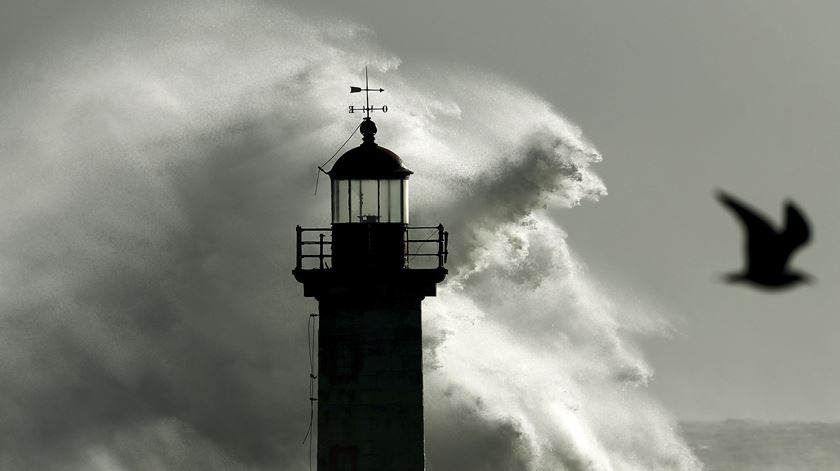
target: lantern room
<point>369,232</point>
<point>369,184</point>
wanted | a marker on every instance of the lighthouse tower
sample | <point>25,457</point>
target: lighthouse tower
<point>369,273</point>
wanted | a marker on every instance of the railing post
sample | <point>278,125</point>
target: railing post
<point>406,248</point>
<point>299,247</point>
<point>321,250</point>
<point>440,245</point>
<point>445,246</point>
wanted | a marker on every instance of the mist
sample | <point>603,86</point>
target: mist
<point>155,163</point>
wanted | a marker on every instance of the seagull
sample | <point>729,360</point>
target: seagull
<point>768,250</point>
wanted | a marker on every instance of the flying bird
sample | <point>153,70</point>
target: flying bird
<point>768,251</point>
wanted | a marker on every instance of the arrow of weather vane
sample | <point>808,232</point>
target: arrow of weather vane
<point>367,108</point>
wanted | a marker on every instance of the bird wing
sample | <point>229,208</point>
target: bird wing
<point>797,231</point>
<point>761,239</point>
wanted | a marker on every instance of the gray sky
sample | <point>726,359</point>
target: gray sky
<point>681,98</point>
<point>155,159</point>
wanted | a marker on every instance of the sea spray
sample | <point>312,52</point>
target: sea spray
<point>523,342</point>
<point>153,169</point>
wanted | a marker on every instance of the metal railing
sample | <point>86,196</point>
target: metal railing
<point>320,243</point>
<point>436,245</point>
<point>438,237</point>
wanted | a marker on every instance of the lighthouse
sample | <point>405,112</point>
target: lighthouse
<point>369,272</point>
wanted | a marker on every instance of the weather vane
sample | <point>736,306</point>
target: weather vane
<point>367,108</point>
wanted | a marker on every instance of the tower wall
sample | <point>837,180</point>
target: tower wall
<point>370,385</point>
<point>370,367</point>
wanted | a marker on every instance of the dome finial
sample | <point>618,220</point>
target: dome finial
<point>368,129</point>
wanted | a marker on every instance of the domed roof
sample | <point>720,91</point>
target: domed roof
<point>369,160</point>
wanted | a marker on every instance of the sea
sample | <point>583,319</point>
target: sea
<point>746,445</point>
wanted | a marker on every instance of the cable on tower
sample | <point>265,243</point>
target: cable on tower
<point>321,167</point>
<point>312,347</point>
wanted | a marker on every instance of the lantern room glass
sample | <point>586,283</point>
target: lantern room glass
<point>370,201</point>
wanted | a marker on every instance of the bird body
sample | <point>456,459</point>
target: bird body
<point>767,250</point>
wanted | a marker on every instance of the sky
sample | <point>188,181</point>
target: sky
<point>157,157</point>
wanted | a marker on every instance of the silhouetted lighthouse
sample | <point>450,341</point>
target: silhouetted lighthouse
<point>367,272</point>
